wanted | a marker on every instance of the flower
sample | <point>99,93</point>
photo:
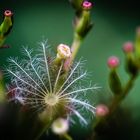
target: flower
<point>60,126</point>
<point>8,13</point>
<point>45,87</point>
<point>87,5</point>
<point>63,51</point>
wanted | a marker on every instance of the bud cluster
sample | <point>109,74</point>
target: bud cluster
<point>132,66</point>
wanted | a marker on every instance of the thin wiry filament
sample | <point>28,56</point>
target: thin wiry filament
<point>69,77</point>
<point>47,69</point>
<point>36,71</point>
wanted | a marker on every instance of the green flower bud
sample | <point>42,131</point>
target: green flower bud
<point>6,26</point>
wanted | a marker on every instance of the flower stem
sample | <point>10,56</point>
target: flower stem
<point>118,98</point>
<point>67,137</point>
<point>43,129</point>
<point>113,106</point>
<point>75,45</point>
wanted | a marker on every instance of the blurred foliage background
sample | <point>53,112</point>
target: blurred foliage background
<point>114,23</point>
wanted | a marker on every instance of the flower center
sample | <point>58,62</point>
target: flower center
<point>51,99</point>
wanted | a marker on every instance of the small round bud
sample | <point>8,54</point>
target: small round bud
<point>87,5</point>
<point>128,47</point>
<point>101,110</point>
<point>60,126</point>
<point>63,51</point>
<point>113,62</point>
<point>8,13</point>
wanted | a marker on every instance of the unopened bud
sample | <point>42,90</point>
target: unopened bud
<point>102,110</point>
<point>128,47</point>
<point>113,62</point>
<point>114,79</point>
<point>5,27</point>
<point>60,126</point>
<point>63,51</point>
<point>83,23</point>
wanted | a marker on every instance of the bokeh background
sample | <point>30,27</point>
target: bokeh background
<point>114,23</point>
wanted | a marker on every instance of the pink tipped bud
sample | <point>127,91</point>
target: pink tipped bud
<point>8,13</point>
<point>113,62</point>
<point>128,47</point>
<point>87,5</point>
<point>63,51</point>
<point>101,110</point>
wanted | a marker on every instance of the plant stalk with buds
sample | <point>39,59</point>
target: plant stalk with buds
<point>119,90</point>
<point>6,27</point>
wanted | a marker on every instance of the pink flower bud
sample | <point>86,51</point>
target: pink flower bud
<point>87,5</point>
<point>113,62</point>
<point>8,13</point>
<point>101,110</point>
<point>128,47</point>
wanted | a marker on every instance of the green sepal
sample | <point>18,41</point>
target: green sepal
<point>5,29</point>
<point>6,26</point>
<point>115,82</point>
<point>131,65</point>
<point>84,24</point>
<point>77,5</point>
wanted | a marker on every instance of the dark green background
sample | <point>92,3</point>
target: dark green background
<point>114,23</point>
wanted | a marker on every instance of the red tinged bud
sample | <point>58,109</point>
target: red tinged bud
<point>113,62</point>
<point>128,47</point>
<point>87,5</point>
<point>8,13</point>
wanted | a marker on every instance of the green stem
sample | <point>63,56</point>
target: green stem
<point>67,137</point>
<point>118,98</point>
<point>114,104</point>
<point>116,101</point>
<point>75,45</point>
<point>45,128</point>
